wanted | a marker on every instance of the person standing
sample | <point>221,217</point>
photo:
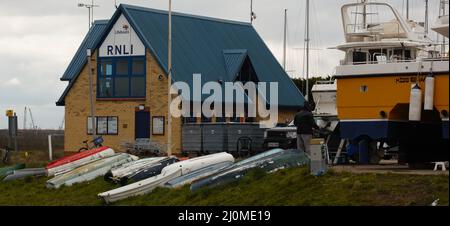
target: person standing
<point>305,123</point>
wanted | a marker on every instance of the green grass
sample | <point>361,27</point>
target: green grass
<point>286,188</point>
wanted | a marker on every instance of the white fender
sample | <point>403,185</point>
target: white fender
<point>415,103</point>
<point>429,93</point>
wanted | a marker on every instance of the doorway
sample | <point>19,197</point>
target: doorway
<point>142,124</point>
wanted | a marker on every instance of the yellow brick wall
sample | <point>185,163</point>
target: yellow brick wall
<point>157,91</point>
<point>77,110</point>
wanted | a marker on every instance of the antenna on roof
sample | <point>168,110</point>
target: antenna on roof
<point>252,14</point>
<point>90,7</point>
<point>115,4</point>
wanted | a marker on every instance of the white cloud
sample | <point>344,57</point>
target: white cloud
<point>12,82</point>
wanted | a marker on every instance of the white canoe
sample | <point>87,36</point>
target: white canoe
<point>132,167</point>
<point>90,171</point>
<point>80,162</point>
<point>168,173</point>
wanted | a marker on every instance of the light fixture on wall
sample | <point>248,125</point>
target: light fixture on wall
<point>160,77</point>
<point>141,107</point>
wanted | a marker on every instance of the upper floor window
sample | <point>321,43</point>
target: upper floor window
<point>121,77</point>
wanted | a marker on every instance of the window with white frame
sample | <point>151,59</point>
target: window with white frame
<point>105,125</point>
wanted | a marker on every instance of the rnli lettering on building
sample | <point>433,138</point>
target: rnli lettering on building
<point>122,41</point>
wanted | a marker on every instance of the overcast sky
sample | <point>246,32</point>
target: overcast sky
<point>39,38</point>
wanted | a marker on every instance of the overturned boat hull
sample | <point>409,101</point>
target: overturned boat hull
<point>90,171</point>
<point>132,167</point>
<point>196,175</point>
<point>147,172</point>
<point>138,188</point>
<point>194,164</point>
<point>20,174</point>
<point>268,163</point>
<point>167,174</point>
<point>5,171</point>
<point>74,161</point>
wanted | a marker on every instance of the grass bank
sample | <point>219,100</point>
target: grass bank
<point>286,188</point>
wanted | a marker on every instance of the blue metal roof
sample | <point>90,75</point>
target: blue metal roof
<point>79,60</point>
<point>233,61</point>
<point>203,45</point>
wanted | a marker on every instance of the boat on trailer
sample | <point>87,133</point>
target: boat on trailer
<point>168,173</point>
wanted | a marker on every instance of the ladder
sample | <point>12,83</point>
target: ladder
<point>339,152</point>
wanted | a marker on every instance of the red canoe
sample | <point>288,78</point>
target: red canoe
<point>75,157</point>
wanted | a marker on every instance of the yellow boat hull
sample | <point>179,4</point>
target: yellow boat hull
<point>377,108</point>
<point>361,98</point>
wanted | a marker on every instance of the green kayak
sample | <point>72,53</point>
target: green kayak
<point>5,171</point>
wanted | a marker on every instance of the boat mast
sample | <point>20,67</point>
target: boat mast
<point>285,37</point>
<point>442,12</point>
<point>364,14</point>
<point>426,17</point>
<point>407,10</point>
<point>307,51</point>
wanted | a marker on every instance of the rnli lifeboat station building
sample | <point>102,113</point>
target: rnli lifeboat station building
<point>129,64</point>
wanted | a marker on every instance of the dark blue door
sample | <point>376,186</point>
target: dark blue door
<point>142,124</point>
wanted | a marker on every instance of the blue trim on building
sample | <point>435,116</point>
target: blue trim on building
<point>129,75</point>
<point>79,60</point>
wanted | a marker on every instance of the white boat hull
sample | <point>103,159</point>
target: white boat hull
<point>197,175</point>
<point>90,171</point>
<point>132,167</point>
<point>194,164</point>
<point>80,162</point>
<point>168,173</point>
<point>139,188</point>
